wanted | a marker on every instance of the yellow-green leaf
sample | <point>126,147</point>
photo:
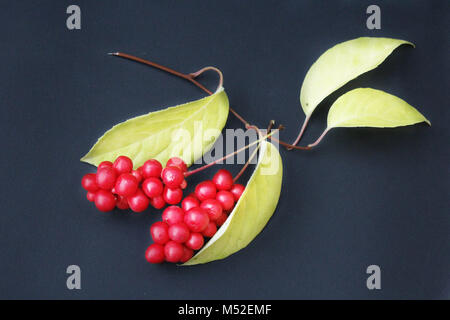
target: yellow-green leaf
<point>251,213</point>
<point>186,131</point>
<point>342,63</point>
<point>366,107</point>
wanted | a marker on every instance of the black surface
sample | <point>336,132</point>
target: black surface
<point>364,196</point>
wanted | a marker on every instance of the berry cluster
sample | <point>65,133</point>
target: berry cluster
<point>118,185</point>
<point>183,229</point>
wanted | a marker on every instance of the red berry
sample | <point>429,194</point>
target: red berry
<point>152,187</point>
<point>172,196</point>
<point>183,184</point>
<point>205,190</point>
<point>90,196</point>
<point>173,215</point>
<point>173,251</point>
<point>104,164</point>
<point>160,232</point>
<point>151,168</point>
<point>172,177</point>
<point>213,207</point>
<point>158,202</point>
<point>122,203</point>
<point>123,164</point>
<point>138,202</point>
<point>237,190</point>
<point>221,220</point>
<point>210,230</point>
<point>105,200</point>
<point>88,182</point>
<point>195,241</point>
<point>179,232</point>
<point>187,254</point>
<point>106,178</point>
<point>137,175</point>
<point>155,253</point>
<point>223,180</point>
<point>226,199</point>
<point>177,162</point>
<point>126,185</point>
<point>196,219</point>
<point>189,202</point>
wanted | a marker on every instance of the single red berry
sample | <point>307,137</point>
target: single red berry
<point>173,215</point>
<point>137,175</point>
<point>123,164</point>
<point>223,180</point>
<point>196,219</point>
<point>106,178</point>
<point>151,168</point>
<point>237,190</point>
<point>183,184</point>
<point>205,190</point>
<point>138,202</point>
<point>155,253</point>
<point>177,162</point>
<point>172,177</point>
<point>105,200</point>
<point>226,199</point>
<point>158,202</point>
<point>210,230</point>
<point>173,251</point>
<point>152,187</point>
<point>172,196</point>
<point>88,182</point>
<point>126,185</point>
<point>187,254</point>
<point>90,196</point>
<point>160,232</point>
<point>179,232</point>
<point>195,241</point>
<point>189,202</point>
<point>122,203</point>
<point>213,207</point>
<point>104,164</point>
<point>221,220</point>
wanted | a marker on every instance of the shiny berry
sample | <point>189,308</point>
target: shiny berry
<point>126,185</point>
<point>189,202</point>
<point>105,164</point>
<point>152,187</point>
<point>237,190</point>
<point>179,232</point>
<point>106,178</point>
<point>187,254</point>
<point>221,220</point>
<point>160,232</point>
<point>172,177</point>
<point>173,215</point>
<point>213,207</point>
<point>173,251</point>
<point>122,203</point>
<point>123,164</point>
<point>196,219</point>
<point>226,199</point>
<point>223,180</point>
<point>158,202</point>
<point>177,162</point>
<point>195,241</point>
<point>137,175</point>
<point>210,230</point>
<point>172,196</point>
<point>88,182</point>
<point>105,200</point>
<point>151,168</point>
<point>138,202</point>
<point>90,196</point>
<point>205,190</point>
<point>155,253</point>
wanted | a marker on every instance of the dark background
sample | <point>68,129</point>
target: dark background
<point>364,196</point>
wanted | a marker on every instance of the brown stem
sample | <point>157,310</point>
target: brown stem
<point>254,153</point>
<point>300,134</point>
<point>319,139</point>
